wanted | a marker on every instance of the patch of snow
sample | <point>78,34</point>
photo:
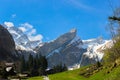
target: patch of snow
<point>75,39</point>
<point>56,51</point>
<point>94,48</point>
<point>21,40</point>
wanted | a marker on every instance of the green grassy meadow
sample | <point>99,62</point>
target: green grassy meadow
<point>103,74</point>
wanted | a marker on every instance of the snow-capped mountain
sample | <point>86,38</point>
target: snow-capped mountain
<point>95,48</point>
<point>95,51</point>
<point>69,49</point>
<point>21,40</point>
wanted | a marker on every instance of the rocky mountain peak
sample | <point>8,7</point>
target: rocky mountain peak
<point>73,30</point>
<point>61,41</point>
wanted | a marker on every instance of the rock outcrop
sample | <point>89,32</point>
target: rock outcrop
<point>70,50</point>
<point>7,45</point>
<point>61,41</point>
<point>63,50</point>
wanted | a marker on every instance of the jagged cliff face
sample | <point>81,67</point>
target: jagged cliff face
<point>67,49</point>
<point>7,45</point>
<point>62,41</point>
<point>70,50</point>
<point>63,50</point>
<point>95,50</point>
<point>69,55</point>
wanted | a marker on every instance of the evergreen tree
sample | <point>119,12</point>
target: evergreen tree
<point>30,64</point>
<point>35,66</point>
<point>43,64</point>
<point>59,68</point>
<point>30,61</point>
<point>23,64</point>
<point>64,68</point>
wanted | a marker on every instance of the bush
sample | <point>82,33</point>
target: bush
<point>112,54</point>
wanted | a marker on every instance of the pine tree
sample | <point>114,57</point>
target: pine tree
<point>64,68</point>
<point>30,63</point>
<point>23,64</point>
<point>43,64</point>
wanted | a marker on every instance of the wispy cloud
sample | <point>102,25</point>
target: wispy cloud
<point>37,37</point>
<point>78,4</point>
<point>13,15</point>
<point>9,24</point>
<point>30,31</point>
<point>25,27</point>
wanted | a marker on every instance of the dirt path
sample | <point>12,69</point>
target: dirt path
<point>46,78</point>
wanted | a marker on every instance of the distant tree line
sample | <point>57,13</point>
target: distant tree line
<point>58,68</point>
<point>37,66</point>
<point>34,65</point>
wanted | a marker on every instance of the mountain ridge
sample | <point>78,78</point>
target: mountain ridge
<point>21,40</point>
<point>67,49</point>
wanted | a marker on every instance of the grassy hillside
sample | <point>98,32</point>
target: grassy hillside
<point>74,75</point>
<point>68,75</point>
<point>36,78</point>
<point>107,73</point>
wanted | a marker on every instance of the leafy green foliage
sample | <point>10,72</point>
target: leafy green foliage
<point>112,54</point>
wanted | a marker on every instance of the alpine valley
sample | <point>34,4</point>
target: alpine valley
<point>67,49</point>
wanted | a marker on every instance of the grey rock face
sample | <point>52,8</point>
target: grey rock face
<point>69,56</point>
<point>7,45</point>
<point>70,50</point>
<point>63,50</point>
<point>62,41</point>
<point>85,60</point>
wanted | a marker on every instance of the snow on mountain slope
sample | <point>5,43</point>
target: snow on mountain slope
<point>22,41</point>
<point>67,49</point>
<point>95,47</point>
<point>94,53</point>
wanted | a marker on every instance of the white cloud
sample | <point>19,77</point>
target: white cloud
<point>30,31</point>
<point>13,15</point>
<point>27,29</point>
<point>23,29</point>
<point>9,24</point>
<point>35,38</point>
<point>27,25</point>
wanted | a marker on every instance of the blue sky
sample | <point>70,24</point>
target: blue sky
<point>51,18</point>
